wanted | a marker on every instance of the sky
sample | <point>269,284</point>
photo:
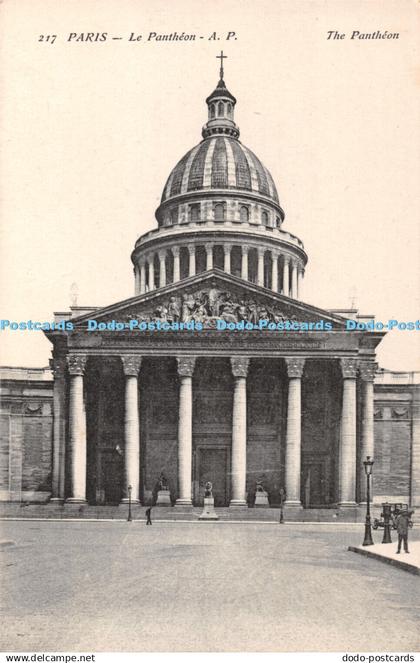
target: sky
<point>91,130</point>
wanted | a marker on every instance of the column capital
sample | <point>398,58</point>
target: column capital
<point>245,249</point>
<point>76,364</point>
<point>295,366</point>
<point>348,368</point>
<point>367,370</point>
<point>131,364</point>
<point>208,246</point>
<point>286,259</point>
<point>185,366</point>
<point>227,248</point>
<point>142,261</point>
<point>162,253</point>
<point>58,366</point>
<point>240,366</point>
<point>261,250</point>
<point>191,249</point>
<point>175,250</point>
<point>150,258</point>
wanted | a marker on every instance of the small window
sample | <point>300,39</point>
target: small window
<point>174,215</point>
<point>195,213</point>
<point>244,214</point>
<point>219,211</point>
<point>220,109</point>
<point>229,109</point>
<point>264,218</point>
<point>212,111</point>
<point>278,223</point>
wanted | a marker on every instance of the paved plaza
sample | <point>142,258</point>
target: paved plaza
<point>118,586</point>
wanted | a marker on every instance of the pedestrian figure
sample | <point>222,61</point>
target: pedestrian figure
<point>403,520</point>
<point>148,515</point>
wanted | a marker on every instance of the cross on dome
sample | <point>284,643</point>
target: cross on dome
<point>221,57</point>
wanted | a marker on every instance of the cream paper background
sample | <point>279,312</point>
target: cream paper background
<point>90,131</point>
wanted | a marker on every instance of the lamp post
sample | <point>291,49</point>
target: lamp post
<point>368,463</point>
<point>282,498</point>
<point>129,489</point>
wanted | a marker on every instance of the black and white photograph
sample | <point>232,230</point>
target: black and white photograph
<point>210,324</point>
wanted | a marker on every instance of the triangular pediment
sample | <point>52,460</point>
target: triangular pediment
<point>207,297</point>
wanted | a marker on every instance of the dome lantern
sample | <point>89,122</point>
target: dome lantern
<point>221,109</point>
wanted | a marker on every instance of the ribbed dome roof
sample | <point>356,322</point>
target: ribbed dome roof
<point>220,162</point>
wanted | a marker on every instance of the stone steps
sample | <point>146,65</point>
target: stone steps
<point>120,512</point>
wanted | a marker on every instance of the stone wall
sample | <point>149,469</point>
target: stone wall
<point>395,467</point>
<point>25,434</point>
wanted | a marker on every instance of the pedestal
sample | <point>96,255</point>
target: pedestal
<point>261,499</point>
<point>208,511</point>
<point>163,498</point>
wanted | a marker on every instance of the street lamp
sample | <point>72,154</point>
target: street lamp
<point>129,489</point>
<point>368,463</point>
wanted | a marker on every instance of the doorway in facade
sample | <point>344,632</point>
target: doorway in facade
<point>211,464</point>
<point>316,488</point>
<point>110,477</point>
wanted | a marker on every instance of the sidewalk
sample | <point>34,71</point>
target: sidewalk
<point>387,552</point>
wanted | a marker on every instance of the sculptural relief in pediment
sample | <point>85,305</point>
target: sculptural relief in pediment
<point>211,304</point>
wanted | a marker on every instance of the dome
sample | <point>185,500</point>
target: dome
<point>220,162</point>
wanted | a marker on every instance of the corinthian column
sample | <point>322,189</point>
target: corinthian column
<point>367,371</point>
<point>286,285</point>
<point>260,272</point>
<point>209,256</point>
<point>244,263</point>
<point>136,280</point>
<point>185,372</point>
<point>192,266</point>
<point>162,268</point>
<point>58,367</point>
<point>295,367</point>
<point>77,424</point>
<point>151,273</point>
<point>142,277</point>
<point>347,467</point>
<point>240,372</point>
<point>294,280</point>
<point>175,253</point>
<point>227,251</point>
<point>131,366</point>
<point>274,271</point>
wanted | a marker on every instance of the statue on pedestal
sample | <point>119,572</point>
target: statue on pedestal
<point>208,510</point>
<point>163,494</point>
<point>261,495</point>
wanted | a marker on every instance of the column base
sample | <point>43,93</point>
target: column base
<point>238,504</point>
<point>56,500</point>
<point>125,500</point>
<point>183,503</point>
<point>293,504</point>
<point>346,505</point>
<point>75,500</point>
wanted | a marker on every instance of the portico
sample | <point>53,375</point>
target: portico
<point>219,406</point>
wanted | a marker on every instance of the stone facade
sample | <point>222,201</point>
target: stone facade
<point>27,433</point>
